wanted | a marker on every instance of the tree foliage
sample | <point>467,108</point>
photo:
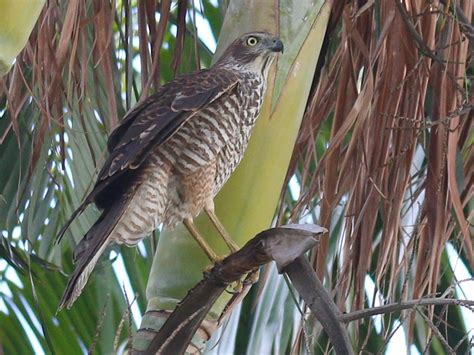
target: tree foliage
<point>383,160</point>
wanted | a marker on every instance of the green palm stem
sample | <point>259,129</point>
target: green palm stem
<point>247,203</point>
<point>16,23</point>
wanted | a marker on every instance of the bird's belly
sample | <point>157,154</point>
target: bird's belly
<point>233,151</point>
<point>194,185</point>
<point>189,194</point>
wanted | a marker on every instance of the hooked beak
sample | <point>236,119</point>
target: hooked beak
<point>276,45</point>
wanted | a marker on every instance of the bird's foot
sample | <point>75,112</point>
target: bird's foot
<point>239,290</point>
<point>245,282</point>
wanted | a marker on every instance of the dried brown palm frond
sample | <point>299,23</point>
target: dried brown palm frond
<point>86,36</point>
<point>72,68</point>
<point>395,101</point>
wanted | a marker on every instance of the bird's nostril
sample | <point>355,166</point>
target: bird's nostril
<point>277,45</point>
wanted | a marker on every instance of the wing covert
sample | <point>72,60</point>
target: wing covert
<point>158,118</point>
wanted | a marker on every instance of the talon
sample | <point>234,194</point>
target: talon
<point>239,286</point>
<point>253,277</point>
<point>241,289</point>
<point>235,288</point>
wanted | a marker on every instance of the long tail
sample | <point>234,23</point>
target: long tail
<point>88,251</point>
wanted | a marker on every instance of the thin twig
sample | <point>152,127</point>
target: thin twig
<point>435,330</point>
<point>98,329</point>
<point>396,307</point>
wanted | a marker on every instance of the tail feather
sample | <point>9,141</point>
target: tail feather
<point>88,251</point>
<point>75,214</point>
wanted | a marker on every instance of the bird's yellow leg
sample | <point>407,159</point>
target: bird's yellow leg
<point>221,230</point>
<point>188,223</point>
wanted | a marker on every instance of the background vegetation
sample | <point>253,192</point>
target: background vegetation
<point>383,159</point>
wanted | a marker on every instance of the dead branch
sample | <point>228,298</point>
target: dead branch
<point>285,245</point>
<point>316,297</point>
<point>397,307</point>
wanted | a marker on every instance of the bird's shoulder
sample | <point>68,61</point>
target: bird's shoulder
<point>182,95</point>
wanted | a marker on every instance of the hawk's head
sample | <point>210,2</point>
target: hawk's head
<point>253,51</point>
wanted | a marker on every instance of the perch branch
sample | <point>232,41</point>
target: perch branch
<point>282,244</point>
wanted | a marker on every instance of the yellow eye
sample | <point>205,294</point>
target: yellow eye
<point>252,41</point>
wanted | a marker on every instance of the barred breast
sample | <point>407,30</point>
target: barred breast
<point>233,151</point>
<point>207,150</point>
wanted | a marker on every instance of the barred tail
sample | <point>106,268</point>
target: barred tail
<point>88,251</point>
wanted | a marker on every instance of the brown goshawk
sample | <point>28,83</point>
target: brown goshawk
<point>173,152</point>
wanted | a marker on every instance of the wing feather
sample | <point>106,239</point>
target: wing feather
<point>151,124</point>
<point>157,122</point>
